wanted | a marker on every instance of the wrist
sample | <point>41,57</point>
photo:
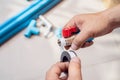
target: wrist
<point>113,16</point>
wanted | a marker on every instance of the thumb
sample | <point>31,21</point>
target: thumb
<point>80,39</point>
<point>75,69</point>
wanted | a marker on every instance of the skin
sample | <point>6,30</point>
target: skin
<point>90,25</point>
<point>94,25</point>
<point>74,70</point>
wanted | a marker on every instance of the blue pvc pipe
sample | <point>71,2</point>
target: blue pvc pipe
<point>15,17</point>
<point>12,33</point>
<point>31,29</point>
<point>24,17</point>
<point>48,7</point>
<point>21,27</point>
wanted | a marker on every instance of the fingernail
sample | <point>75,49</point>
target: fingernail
<point>75,59</point>
<point>74,47</point>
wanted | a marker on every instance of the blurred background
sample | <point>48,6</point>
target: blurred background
<point>29,59</point>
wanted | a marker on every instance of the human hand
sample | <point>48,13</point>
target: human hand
<point>91,26</point>
<point>74,70</point>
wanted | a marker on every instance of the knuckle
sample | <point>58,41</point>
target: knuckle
<point>90,33</point>
<point>77,42</point>
<point>76,17</point>
<point>57,63</point>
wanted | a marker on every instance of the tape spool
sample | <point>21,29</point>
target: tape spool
<point>66,56</point>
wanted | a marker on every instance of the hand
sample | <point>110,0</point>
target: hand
<point>90,25</point>
<point>94,25</point>
<point>74,70</point>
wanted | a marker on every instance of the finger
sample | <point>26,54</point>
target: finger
<point>70,23</point>
<point>67,47</point>
<point>75,21</point>
<point>55,71</point>
<point>75,69</point>
<point>87,44</point>
<point>80,39</point>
